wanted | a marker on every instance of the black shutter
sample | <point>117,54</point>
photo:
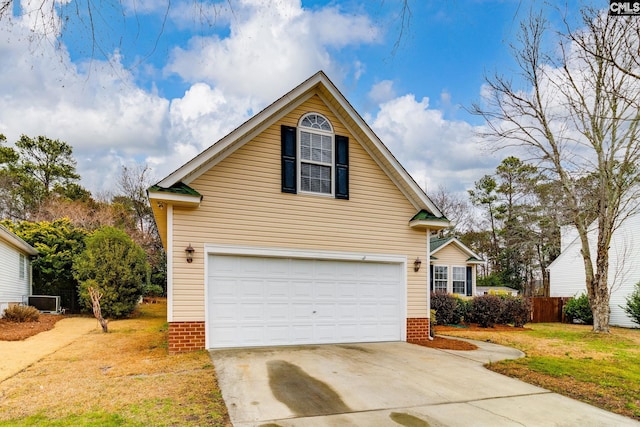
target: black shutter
<point>431,276</point>
<point>469,281</point>
<point>288,139</point>
<point>342,167</point>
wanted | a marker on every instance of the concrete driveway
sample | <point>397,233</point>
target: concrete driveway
<point>388,384</point>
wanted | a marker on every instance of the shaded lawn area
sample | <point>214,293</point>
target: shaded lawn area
<point>600,369</point>
<point>123,378</point>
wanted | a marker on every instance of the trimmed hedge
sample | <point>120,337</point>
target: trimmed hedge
<point>445,307</point>
<point>485,310</point>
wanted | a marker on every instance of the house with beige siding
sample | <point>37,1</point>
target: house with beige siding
<point>15,269</point>
<point>453,267</point>
<point>299,227</point>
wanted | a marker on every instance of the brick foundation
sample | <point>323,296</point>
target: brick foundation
<point>417,329</point>
<point>185,336</point>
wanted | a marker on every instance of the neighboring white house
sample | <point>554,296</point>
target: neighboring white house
<point>567,276</point>
<point>15,269</point>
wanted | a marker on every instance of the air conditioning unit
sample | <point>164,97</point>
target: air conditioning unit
<point>45,303</point>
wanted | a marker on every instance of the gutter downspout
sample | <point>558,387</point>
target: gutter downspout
<point>430,335</point>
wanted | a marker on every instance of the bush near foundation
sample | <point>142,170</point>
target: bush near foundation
<point>516,311</point>
<point>21,314</point>
<point>578,309</point>
<point>445,306</point>
<point>632,308</point>
<point>486,310</point>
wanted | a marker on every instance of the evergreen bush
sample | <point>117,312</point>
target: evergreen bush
<point>516,311</point>
<point>445,307</point>
<point>578,309</point>
<point>633,305</point>
<point>117,267</point>
<point>486,310</point>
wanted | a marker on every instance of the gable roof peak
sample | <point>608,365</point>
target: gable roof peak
<point>318,84</point>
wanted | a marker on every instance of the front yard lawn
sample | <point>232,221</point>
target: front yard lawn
<point>123,378</point>
<point>600,369</point>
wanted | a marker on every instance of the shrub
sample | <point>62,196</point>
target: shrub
<point>445,307</point>
<point>152,290</point>
<point>116,267</point>
<point>486,310</point>
<point>633,305</point>
<point>22,313</point>
<point>516,311</point>
<point>578,309</point>
<point>463,310</point>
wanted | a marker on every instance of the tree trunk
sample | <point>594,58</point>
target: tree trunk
<point>598,289</point>
<point>97,312</point>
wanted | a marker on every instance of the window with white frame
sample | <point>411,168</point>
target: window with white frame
<point>459,278</point>
<point>22,266</point>
<point>440,278</point>
<point>316,154</point>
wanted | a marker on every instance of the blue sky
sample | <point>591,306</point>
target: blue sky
<point>163,84</point>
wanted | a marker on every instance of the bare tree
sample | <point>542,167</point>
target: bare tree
<point>456,208</point>
<point>578,115</point>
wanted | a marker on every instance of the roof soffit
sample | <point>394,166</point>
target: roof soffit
<point>464,248</point>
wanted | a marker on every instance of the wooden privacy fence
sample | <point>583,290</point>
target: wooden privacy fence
<point>548,309</point>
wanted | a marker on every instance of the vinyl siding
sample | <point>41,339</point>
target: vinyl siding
<point>243,205</point>
<point>568,276</point>
<point>12,287</point>
<point>451,256</point>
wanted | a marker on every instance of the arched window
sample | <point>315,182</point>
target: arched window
<point>316,155</point>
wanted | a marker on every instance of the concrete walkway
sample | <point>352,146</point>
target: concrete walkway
<point>15,356</point>
<point>389,384</point>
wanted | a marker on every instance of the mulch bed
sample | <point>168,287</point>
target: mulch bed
<point>443,329</point>
<point>13,331</point>
<point>446,344</point>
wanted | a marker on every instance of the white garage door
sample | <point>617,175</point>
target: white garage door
<point>262,301</point>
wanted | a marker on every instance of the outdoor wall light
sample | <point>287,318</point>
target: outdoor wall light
<point>416,264</point>
<point>189,250</point>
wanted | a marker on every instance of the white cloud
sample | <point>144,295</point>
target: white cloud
<point>271,47</point>
<point>99,108</point>
<point>382,92</point>
<point>435,151</point>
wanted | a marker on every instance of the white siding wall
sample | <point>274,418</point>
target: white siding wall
<point>568,277</point>
<point>12,287</point>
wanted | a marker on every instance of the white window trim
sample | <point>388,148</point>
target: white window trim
<point>464,281</point>
<point>448,282</point>
<point>332,134</point>
<point>22,266</point>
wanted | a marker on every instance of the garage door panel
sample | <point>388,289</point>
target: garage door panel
<point>259,301</point>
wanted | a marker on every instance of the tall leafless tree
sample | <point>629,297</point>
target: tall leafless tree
<point>577,115</point>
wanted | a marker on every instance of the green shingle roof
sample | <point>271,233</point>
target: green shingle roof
<point>177,188</point>
<point>437,242</point>
<point>426,215</point>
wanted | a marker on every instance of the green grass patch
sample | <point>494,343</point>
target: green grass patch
<point>600,369</point>
<point>87,419</point>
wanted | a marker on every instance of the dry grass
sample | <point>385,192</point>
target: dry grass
<point>600,369</point>
<point>124,377</point>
